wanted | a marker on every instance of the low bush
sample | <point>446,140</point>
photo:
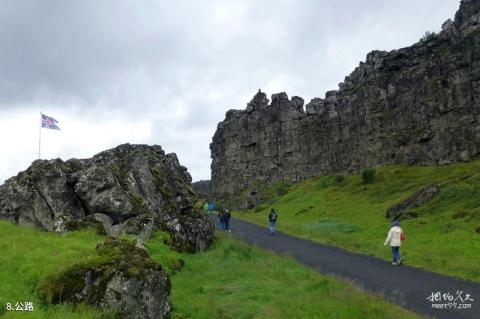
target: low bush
<point>368,176</point>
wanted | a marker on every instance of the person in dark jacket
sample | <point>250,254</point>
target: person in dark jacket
<point>226,220</point>
<point>272,221</point>
<point>221,218</point>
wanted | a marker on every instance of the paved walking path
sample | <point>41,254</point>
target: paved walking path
<point>403,285</point>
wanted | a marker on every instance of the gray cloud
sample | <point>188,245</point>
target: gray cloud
<point>183,64</point>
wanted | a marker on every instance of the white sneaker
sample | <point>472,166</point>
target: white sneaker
<point>394,263</point>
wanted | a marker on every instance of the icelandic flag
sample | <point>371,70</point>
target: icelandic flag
<point>49,122</point>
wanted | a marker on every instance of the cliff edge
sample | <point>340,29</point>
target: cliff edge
<point>417,105</point>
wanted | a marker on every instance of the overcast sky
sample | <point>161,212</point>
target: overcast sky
<point>165,72</point>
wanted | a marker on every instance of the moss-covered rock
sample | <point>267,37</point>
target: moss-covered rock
<point>119,191</point>
<point>119,276</point>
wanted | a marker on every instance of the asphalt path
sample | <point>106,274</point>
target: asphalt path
<point>409,287</point>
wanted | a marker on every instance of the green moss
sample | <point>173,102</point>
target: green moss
<point>112,257</point>
<point>61,287</point>
<point>121,173</point>
<point>163,186</point>
<point>161,182</point>
<point>88,222</point>
<point>158,175</point>
<point>71,166</point>
<point>138,204</point>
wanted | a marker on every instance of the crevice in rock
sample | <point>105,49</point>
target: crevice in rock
<point>52,213</point>
<point>78,199</point>
<point>118,219</point>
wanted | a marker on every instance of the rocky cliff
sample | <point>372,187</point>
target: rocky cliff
<point>417,105</point>
<point>202,188</point>
<point>129,189</point>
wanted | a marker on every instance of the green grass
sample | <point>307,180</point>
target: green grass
<point>348,213</point>
<point>230,280</point>
<point>27,256</point>
<point>235,280</point>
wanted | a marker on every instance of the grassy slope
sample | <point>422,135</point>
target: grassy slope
<point>235,280</point>
<point>27,255</point>
<point>351,215</point>
<point>231,280</point>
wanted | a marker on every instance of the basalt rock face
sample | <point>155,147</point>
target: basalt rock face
<point>203,189</point>
<point>129,189</point>
<point>417,105</point>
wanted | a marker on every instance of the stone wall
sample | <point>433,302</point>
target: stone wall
<point>417,105</point>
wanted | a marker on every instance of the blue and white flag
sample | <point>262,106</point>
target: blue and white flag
<point>49,122</point>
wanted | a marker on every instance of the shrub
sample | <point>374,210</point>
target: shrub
<point>259,208</point>
<point>339,179</point>
<point>428,36</point>
<point>368,176</point>
<point>323,184</point>
<point>282,190</point>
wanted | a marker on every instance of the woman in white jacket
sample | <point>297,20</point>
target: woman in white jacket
<point>394,237</point>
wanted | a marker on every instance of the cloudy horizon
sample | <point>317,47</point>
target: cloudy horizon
<point>157,72</point>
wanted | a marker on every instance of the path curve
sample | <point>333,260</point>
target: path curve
<point>406,286</point>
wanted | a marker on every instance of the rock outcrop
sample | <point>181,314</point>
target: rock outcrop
<point>129,189</point>
<point>418,105</point>
<point>203,189</point>
<point>402,210</point>
<point>120,277</point>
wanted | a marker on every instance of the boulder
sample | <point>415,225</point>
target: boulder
<point>120,277</point>
<point>118,191</point>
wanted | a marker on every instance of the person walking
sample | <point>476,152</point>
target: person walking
<point>226,220</point>
<point>395,237</point>
<point>205,208</point>
<point>221,218</point>
<point>272,221</point>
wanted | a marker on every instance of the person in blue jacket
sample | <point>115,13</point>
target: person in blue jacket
<point>226,219</point>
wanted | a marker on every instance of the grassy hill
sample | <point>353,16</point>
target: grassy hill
<point>230,280</point>
<point>346,212</point>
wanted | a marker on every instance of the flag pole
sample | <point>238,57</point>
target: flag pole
<point>40,136</point>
